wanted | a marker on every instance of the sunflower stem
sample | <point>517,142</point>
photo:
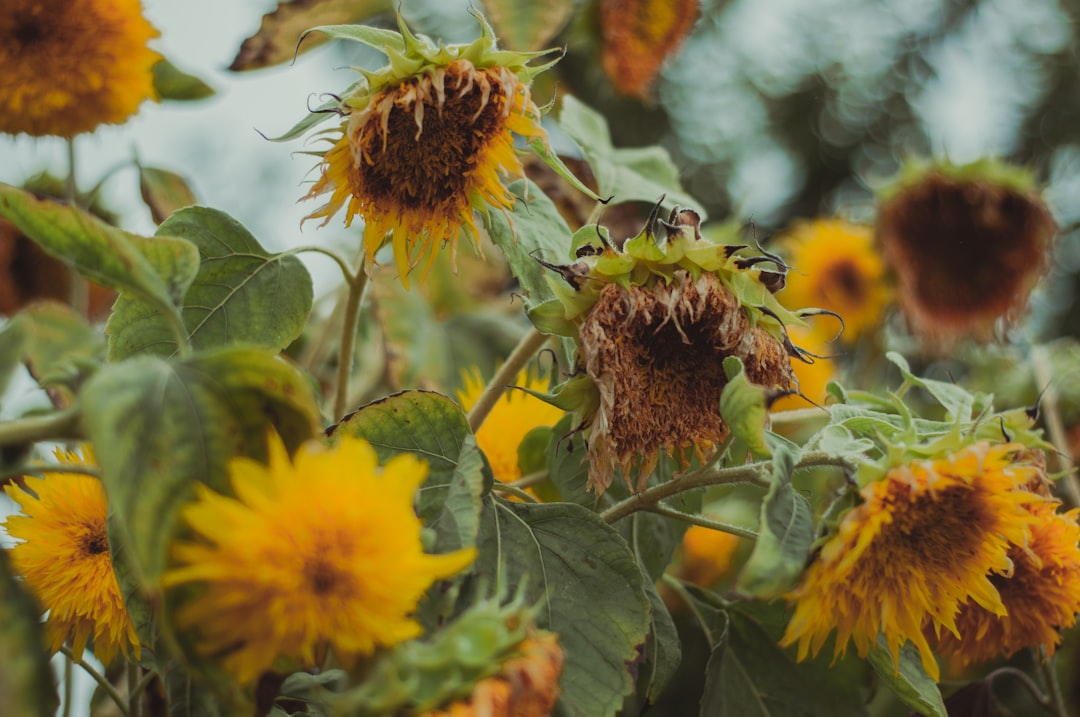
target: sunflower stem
<point>514,491</point>
<point>1053,687</point>
<point>112,692</point>
<point>179,332</point>
<point>529,344</point>
<point>357,283</point>
<point>79,288</point>
<point>134,697</point>
<point>50,427</point>
<point>660,509</point>
<point>529,480</point>
<point>677,587</point>
<point>1051,411</point>
<point>1026,681</point>
<point>343,264</point>
<point>69,678</point>
<point>798,415</point>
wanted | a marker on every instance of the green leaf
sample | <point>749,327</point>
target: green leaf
<point>589,587</point>
<point>12,349</point>
<point>158,271</point>
<point>785,534</point>
<point>567,467</point>
<point>276,40</point>
<point>743,407</point>
<point>663,650</point>
<point>27,685</point>
<point>58,345</point>
<point>535,229</point>
<point>164,192</point>
<point>911,684</point>
<point>375,37</point>
<point>434,429</point>
<point>172,83</point>
<point>957,401</point>
<point>748,675</point>
<point>241,293</point>
<point>527,26</point>
<point>637,174</point>
<point>159,426</point>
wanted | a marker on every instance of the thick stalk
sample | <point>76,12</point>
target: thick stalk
<point>134,697</point>
<point>52,427</point>
<point>356,285</point>
<point>1050,409</point>
<point>530,343</point>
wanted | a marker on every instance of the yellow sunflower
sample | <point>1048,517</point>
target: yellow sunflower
<point>71,65</point>
<point>64,557</point>
<point>1041,594</point>
<point>707,555</point>
<point>527,685</point>
<point>323,551</point>
<point>512,418</point>
<point>426,142</point>
<point>834,266</point>
<point>923,542</point>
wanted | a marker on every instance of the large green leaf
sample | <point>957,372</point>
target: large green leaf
<point>908,679</point>
<point>785,534</point>
<point>663,651</point>
<point>58,344</point>
<point>533,230</point>
<point>748,675</point>
<point>633,174</point>
<point>27,685</point>
<point>524,26</point>
<point>241,294</point>
<point>589,587</point>
<point>158,427</point>
<point>158,271</point>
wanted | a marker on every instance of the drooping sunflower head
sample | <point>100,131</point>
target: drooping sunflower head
<point>967,243</point>
<point>63,555</point>
<point>654,319</point>
<point>835,266</point>
<point>71,65</point>
<point>426,141</point>
<point>925,540</point>
<point>512,418</point>
<point>1041,594</point>
<point>315,553</point>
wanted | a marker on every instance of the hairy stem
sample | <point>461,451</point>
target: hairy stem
<point>356,284</point>
<point>1050,409</point>
<point>530,343</point>
<point>704,522</point>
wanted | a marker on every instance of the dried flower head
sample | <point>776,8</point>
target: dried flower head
<point>967,244</point>
<point>71,65</point>
<point>1041,594</point>
<point>924,541</point>
<point>654,321</point>
<point>63,554</point>
<point>426,141</point>
<point>316,552</point>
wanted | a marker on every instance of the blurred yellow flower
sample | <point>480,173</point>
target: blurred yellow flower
<point>64,558</point>
<point>707,555</point>
<point>322,551</point>
<point>71,65</point>
<point>835,266</point>
<point>924,541</point>
<point>511,419</point>
<point>812,377</point>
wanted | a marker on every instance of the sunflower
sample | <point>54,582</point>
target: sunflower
<point>707,555</point>
<point>511,419</point>
<point>1041,594</point>
<point>321,552</point>
<point>527,684</point>
<point>425,142</point>
<point>654,318</point>
<point>923,542</point>
<point>834,266</point>
<point>65,559</point>
<point>967,243</point>
<point>71,65</point>
<point>812,373</point>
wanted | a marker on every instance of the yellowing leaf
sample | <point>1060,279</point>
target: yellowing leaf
<point>638,36</point>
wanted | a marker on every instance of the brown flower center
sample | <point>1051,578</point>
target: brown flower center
<point>424,139</point>
<point>943,529</point>
<point>846,277</point>
<point>95,543</point>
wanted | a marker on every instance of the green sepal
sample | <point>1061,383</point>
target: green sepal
<point>743,408</point>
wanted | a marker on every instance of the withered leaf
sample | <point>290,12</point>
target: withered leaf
<point>638,36</point>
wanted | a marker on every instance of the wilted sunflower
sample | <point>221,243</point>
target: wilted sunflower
<point>1041,594</point>
<point>924,541</point>
<point>526,685</point>
<point>71,65</point>
<point>835,266</point>
<point>426,141</point>
<point>968,244</point>
<point>515,415</point>
<point>65,559</point>
<point>323,551</point>
<point>654,319</point>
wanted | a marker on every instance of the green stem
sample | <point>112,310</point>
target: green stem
<point>356,284</point>
<point>51,427</point>
<point>755,473</point>
<point>529,480</point>
<point>798,415</point>
<point>134,698</point>
<point>1053,687</point>
<point>704,522</point>
<point>342,263</point>
<point>79,288</point>
<point>1051,411</point>
<point>36,469</point>
<point>141,686</point>
<point>69,675</point>
<point>1027,682</point>
<point>178,330</point>
<point>114,695</point>
<point>514,491</point>
<point>529,344</point>
<point>679,589</point>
